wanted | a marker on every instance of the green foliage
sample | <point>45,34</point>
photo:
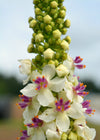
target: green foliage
<point>9,85</point>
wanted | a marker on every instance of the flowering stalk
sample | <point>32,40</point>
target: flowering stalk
<point>53,97</point>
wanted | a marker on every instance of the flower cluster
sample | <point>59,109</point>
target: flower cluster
<point>53,97</point>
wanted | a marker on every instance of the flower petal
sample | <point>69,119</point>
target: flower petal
<point>62,121</point>
<point>75,111</point>
<point>49,71</point>
<point>31,111</point>
<point>57,84</point>
<point>52,135</point>
<point>29,90</point>
<point>34,75</point>
<point>45,97</point>
<point>38,135</point>
<point>48,115</point>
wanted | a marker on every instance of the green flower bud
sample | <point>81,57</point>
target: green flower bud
<point>46,45</point>
<point>51,62</point>
<point>35,1</point>
<point>46,1</point>
<point>64,56</point>
<point>37,11</point>
<point>63,8</point>
<point>52,24</point>
<point>53,11</point>
<point>48,28</point>
<point>68,39</point>
<point>59,20</point>
<point>54,4</point>
<point>50,41</point>
<point>57,55</point>
<point>34,34</point>
<point>40,18</point>
<point>42,26</point>
<point>64,30</point>
<point>38,58</point>
<point>48,54</point>
<point>62,13</point>
<point>32,23</point>
<point>55,15</point>
<point>56,63</point>
<point>47,19</point>
<point>40,48</point>
<point>40,5</point>
<point>58,41</point>
<point>33,61</point>
<point>64,136</point>
<point>39,37</point>
<point>48,9</point>
<point>56,34</point>
<point>72,136</point>
<point>60,26</point>
<point>33,41</point>
<point>67,23</point>
<point>30,19</point>
<point>65,45</point>
<point>30,48</point>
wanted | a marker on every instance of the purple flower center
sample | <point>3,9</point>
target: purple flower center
<point>61,106</point>
<point>36,122</point>
<point>41,82</point>
<point>24,136</point>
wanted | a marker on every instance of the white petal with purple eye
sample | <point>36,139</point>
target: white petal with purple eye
<point>57,84</point>
<point>45,97</point>
<point>29,90</point>
<point>62,121</point>
<point>49,71</point>
<point>52,135</point>
<point>48,115</point>
<point>75,111</point>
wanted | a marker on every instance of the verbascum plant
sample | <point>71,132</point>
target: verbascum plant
<point>53,97</point>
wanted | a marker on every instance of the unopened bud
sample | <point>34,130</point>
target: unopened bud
<point>30,48</point>
<point>72,136</point>
<point>40,48</point>
<point>48,54</point>
<point>62,70</point>
<point>40,18</point>
<point>47,19</point>
<point>62,13</point>
<point>59,20</point>
<point>56,34</point>
<point>64,136</point>
<point>67,23</point>
<point>48,28</point>
<point>68,39</point>
<point>30,19</point>
<point>32,23</point>
<point>65,45</point>
<point>54,4</point>
<point>37,11</point>
<point>64,30</point>
<point>39,37</point>
<point>51,62</point>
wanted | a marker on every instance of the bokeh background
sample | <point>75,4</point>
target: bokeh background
<point>15,36</point>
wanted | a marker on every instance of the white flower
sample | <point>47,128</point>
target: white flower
<point>61,114</point>
<point>83,130</point>
<point>48,54</point>
<point>62,70</point>
<point>43,85</point>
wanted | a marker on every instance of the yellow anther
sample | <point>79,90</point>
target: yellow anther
<point>81,84</point>
<point>59,107</point>
<point>84,66</point>
<point>33,80</point>
<point>19,66</point>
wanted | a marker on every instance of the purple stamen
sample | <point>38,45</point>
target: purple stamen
<point>36,122</point>
<point>78,59</point>
<point>24,137</point>
<point>61,106</point>
<point>41,82</point>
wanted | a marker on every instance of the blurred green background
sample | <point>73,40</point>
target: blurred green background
<point>15,36</point>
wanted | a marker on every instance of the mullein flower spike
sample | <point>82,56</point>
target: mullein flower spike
<point>53,97</point>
